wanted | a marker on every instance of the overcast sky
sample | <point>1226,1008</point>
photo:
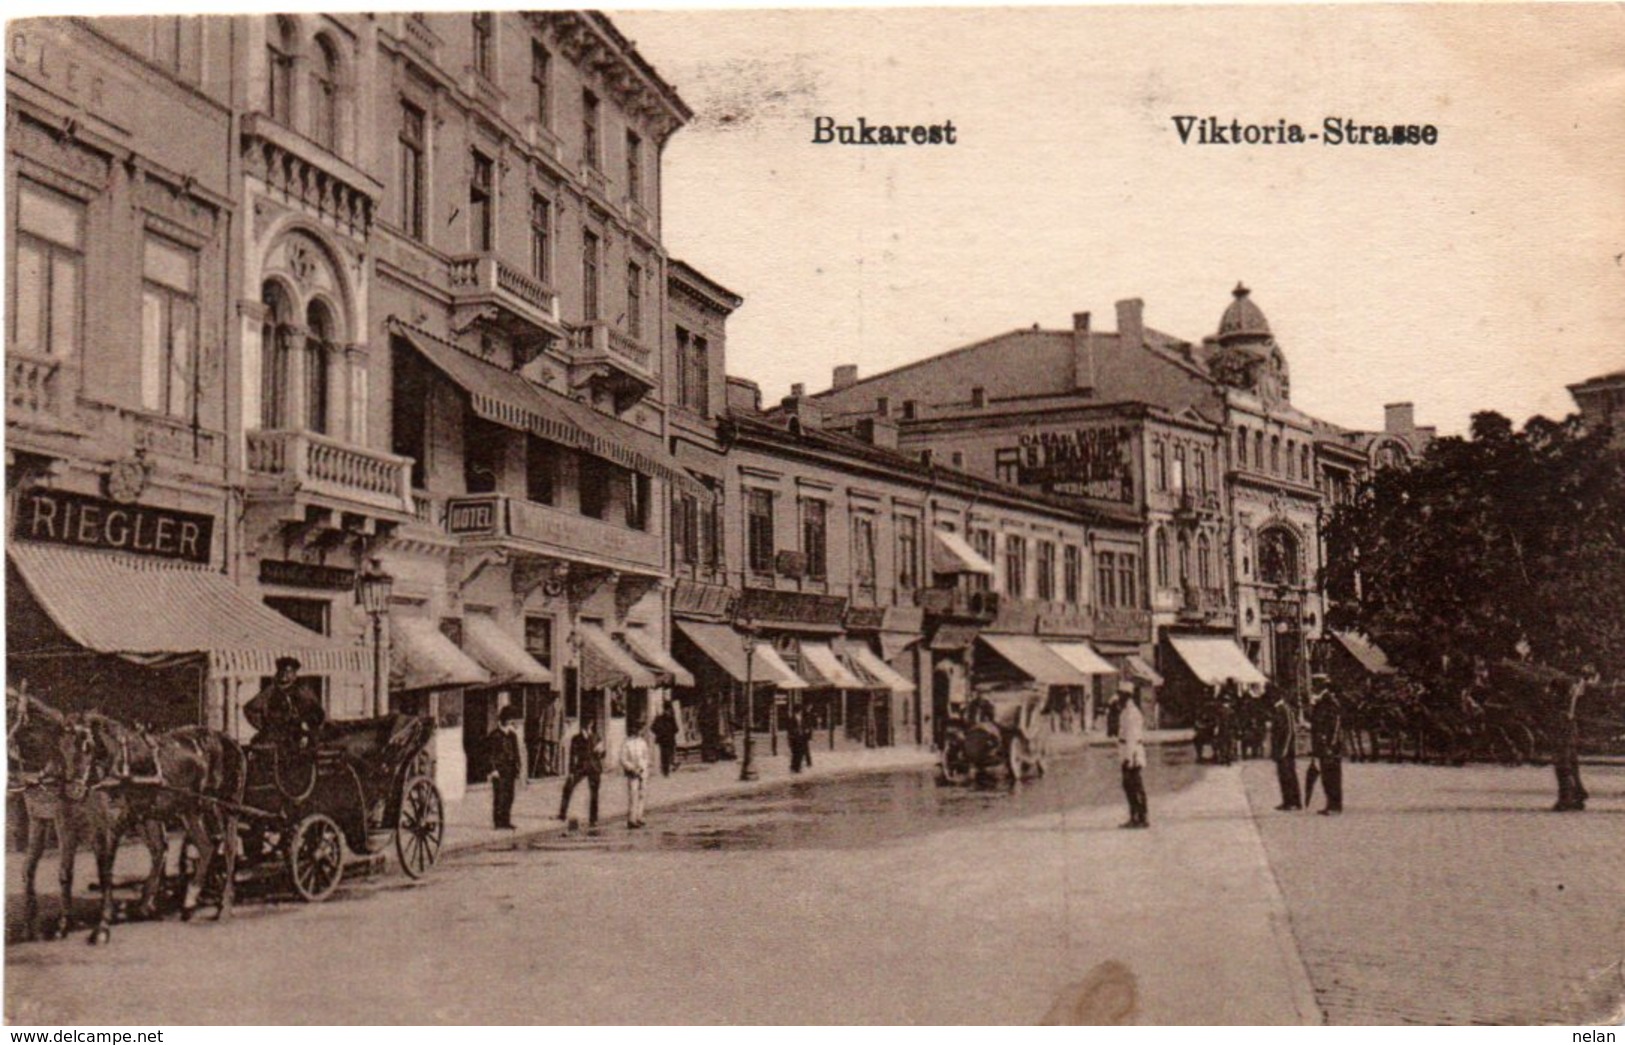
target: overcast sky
<point>1484,272</point>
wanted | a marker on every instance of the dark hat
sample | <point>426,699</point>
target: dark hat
<point>288,662</point>
<point>510,713</point>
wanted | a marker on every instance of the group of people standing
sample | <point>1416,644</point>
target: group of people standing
<point>1325,747</point>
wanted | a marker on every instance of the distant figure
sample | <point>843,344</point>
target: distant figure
<point>502,755</point>
<point>664,729</point>
<point>285,714</point>
<point>635,767</point>
<point>1131,754</point>
<point>1229,697</point>
<point>1571,793</point>
<point>800,736</point>
<point>1326,744</point>
<point>1284,747</point>
<point>586,763</point>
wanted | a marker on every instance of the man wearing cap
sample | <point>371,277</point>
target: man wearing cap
<point>285,713</point>
<point>1131,754</point>
<point>502,755</point>
<point>1326,745</point>
<point>586,762</point>
<point>1284,746</point>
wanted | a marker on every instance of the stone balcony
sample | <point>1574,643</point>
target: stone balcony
<point>33,392</point>
<point>601,354</point>
<point>485,288</point>
<point>958,604</point>
<point>1122,624</point>
<point>529,528</point>
<point>309,466</point>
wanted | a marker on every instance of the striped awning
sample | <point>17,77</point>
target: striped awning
<point>1215,658</point>
<point>143,609</point>
<point>648,649</point>
<point>501,653</point>
<point>773,670</point>
<point>1083,657</point>
<point>1035,660</point>
<point>820,661</point>
<point>421,657</point>
<point>878,671</point>
<point>605,662</point>
<point>508,398</point>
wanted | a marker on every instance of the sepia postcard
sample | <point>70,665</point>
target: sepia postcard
<point>868,516</point>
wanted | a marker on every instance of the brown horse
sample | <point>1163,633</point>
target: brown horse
<point>126,778</point>
<point>34,763</point>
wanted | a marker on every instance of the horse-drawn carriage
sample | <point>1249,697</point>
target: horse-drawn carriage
<point>999,729</point>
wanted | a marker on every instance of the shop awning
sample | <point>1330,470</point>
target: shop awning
<point>605,662</point>
<point>721,645</point>
<point>1028,655</point>
<point>1213,658</point>
<point>893,643</point>
<point>423,658</point>
<point>954,637</point>
<point>1141,670</point>
<point>827,667</point>
<point>1083,657</point>
<point>509,398</point>
<point>951,553</point>
<point>648,649</point>
<point>879,672</point>
<point>1369,655</point>
<point>770,667</point>
<point>500,653</point>
<point>147,610</point>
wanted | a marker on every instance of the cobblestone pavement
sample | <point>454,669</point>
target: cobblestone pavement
<point>1454,896</point>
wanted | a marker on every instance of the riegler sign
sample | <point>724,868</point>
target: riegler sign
<point>1077,462</point>
<point>59,517</point>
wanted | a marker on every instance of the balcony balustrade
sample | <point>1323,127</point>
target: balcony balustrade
<point>526,526</point>
<point>319,464</point>
<point>525,303</point>
<point>32,388</point>
<point>958,604</point>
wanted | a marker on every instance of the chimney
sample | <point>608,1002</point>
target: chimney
<point>1083,352</point>
<point>1399,418</point>
<point>846,375</point>
<point>798,390</point>
<point>1131,323</point>
<point>801,407</point>
<point>878,431</point>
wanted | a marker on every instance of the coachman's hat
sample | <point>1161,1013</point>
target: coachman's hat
<point>288,662</point>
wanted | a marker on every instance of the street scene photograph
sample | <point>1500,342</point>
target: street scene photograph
<point>879,516</point>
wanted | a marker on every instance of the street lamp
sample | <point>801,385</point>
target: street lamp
<point>747,769</point>
<point>372,591</point>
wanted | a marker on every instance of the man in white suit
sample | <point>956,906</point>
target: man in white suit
<point>1131,754</point>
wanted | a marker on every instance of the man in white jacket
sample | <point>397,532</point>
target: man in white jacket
<point>1131,754</point>
<point>635,764</point>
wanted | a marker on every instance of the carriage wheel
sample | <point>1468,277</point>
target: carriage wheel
<point>316,857</point>
<point>955,767</point>
<point>421,826</point>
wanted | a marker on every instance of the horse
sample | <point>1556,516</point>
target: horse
<point>34,761</point>
<point>128,778</point>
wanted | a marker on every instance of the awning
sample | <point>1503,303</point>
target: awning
<point>1081,656</point>
<point>954,637</point>
<point>721,645</point>
<point>1368,653</point>
<point>953,554</point>
<point>893,643</point>
<point>144,609</point>
<point>1213,659</point>
<point>605,662</point>
<point>508,398</point>
<point>1141,670</point>
<point>500,653</point>
<point>1032,658</point>
<point>423,658</point>
<point>827,667</point>
<point>879,672</point>
<point>648,649</point>
<point>770,667</point>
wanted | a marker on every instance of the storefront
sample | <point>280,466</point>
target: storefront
<point>516,680</point>
<point>1077,710</point>
<point>1197,666</point>
<point>429,675</point>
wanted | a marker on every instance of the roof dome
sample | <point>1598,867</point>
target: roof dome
<point>1243,320</point>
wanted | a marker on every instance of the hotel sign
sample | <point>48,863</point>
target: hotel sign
<point>1077,462</point>
<point>59,517</point>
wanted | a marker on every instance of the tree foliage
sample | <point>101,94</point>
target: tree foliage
<point>1491,546</point>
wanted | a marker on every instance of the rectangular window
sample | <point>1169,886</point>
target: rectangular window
<point>483,56</point>
<point>634,167</point>
<point>1015,566</point>
<point>483,456</point>
<point>759,530</point>
<point>540,73</point>
<point>1105,579</point>
<point>637,488</point>
<point>1128,580</point>
<point>711,535</point>
<point>168,328</point>
<point>412,384</point>
<point>815,538</point>
<point>983,543</point>
<point>683,376</point>
<point>412,170</point>
<point>539,640</point>
<point>595,478</point>
<point>1072,574</point>
<point>589,276</point>
<point>685,529</point>
<point>541,470</point>
<point>589,129</point>
<point>1045,582</point>
<point>634,300</point>
<point>908,552</point>
<point>699,376</point>
<point>481,232</point>
<point>279,81</point>
<point>541,238</point>
<point>863,551</point>
<point>47,276</point>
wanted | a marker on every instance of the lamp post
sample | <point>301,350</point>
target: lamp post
<point>747,769</point>
<point>373,588</point>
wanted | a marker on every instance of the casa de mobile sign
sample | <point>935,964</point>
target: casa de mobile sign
<point>1077,462</point>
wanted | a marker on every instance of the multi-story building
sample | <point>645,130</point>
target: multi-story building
<point>1601,400</point>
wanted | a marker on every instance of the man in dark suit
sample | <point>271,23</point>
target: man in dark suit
<point>1326,744</point>
<point>586,763</point>
<point>502,755</point>
<point>664,729</point>
<point>1565,702</point>
<point>285,713</point>
<point>1284,747</point>
<point>800,736</point>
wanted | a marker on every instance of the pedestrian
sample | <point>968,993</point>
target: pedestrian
<point>502,756</point>
<point>285,714</point>
<point>1131,754</point>
<point>1326,744</point>
<point>1284,747</point>
<point>1565,698</point>
<point>799,731</point>
<point>664,729</point>
<point>1229,695</point>
<point>635,767</point>
<point>586,763</point>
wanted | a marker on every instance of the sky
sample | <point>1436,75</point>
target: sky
<point>1484,272</point>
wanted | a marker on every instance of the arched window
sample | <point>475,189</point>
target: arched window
<point>1179,467</point>
<point>320,333</point>
<point>281,41</point>
<point>1291,459</point>
<point>1159,457</point>
<point>1184,560</point>
<point>274,333</point>
<point>1278,557</point>
<point>1275,455</point>
<point>1307,474</point>
<point>325,95</point>
<point>1162,557</point>
<point>1199,464</point>
<point>1241,447</point>
<point>1204,561</point>
<point>1258,450</point>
